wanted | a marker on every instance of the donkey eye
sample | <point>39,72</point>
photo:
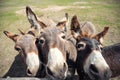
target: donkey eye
<point>18,48</point>
<point>63,36</point>
<point>41,41</point>
<point>80,46</point>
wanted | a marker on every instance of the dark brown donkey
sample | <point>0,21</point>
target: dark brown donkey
<point>25,45</point>
<point>90,61</point>
<point>84,58</point>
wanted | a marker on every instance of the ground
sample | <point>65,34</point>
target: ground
<point>12,17</point>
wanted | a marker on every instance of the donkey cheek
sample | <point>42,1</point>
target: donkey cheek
<point>56,61</point>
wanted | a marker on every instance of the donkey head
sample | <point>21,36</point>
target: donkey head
<point>25,45</point>
<point>52,47</point>
<point>92,60</point>
<point>90,56</point>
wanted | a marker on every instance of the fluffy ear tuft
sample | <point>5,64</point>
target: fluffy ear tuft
<point>100,36</point>
<point>12,36</point>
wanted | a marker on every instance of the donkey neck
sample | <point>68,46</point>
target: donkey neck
<point>112,57</point>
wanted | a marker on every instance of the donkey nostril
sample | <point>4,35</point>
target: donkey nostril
<point>29,72</point>
<point>93,69</point>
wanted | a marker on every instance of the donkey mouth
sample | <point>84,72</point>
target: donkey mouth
<point>30,73</point>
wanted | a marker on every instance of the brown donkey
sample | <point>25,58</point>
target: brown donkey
<point>52,45</point>
<point>58,54</point>
<point>25,45</point>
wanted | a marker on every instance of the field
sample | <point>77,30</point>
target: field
<point>13,17</point>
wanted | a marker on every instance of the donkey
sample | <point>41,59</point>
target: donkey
<point>26,46</point>
<point>58,54</point>
<point>53,45</point>
<point>84,28</point>
<point>90,63</point>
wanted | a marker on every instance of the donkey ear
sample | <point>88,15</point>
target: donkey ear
<point>100,36</point>
<point>75,27</point>
<point>21,32</point>
<point>12,36</point>
<point>63,23</point>
<point>33,19</point>
<point>74,23</point>
<point>31,16</point>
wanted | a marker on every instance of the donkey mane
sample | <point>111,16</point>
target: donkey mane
<point>111,49</point>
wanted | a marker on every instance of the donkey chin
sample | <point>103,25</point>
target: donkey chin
<point>59,73</point>
<point>33,64</point>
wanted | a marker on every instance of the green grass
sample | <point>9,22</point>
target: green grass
<point>103,13</point>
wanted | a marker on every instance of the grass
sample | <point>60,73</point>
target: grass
<point>102,13</point>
